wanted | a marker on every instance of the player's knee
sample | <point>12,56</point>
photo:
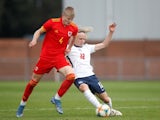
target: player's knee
<point>70,76</point>
<point>83,87</point>
<point>107,99</point>
<point>33,82</point>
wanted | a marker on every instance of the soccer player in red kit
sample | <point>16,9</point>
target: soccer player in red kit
<point>60,34</point>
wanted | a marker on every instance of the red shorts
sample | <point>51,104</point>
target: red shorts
<point>46,65</point>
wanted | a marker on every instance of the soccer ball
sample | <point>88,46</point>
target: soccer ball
<point>103,111</point>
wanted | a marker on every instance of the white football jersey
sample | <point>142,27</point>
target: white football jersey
<point>80,59</point>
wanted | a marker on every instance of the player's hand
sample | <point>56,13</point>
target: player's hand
<point>32,43</point>
<point>112,27</point>
<point>67,51</point>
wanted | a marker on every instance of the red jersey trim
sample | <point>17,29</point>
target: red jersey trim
<point>43,29</point>
<point>73,24</point>
<point>56,19</point>
<point>59,19</point>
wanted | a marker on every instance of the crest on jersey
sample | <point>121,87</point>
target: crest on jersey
<point>69,33</point>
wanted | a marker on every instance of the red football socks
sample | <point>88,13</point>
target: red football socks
<point>64,87</point>
<point>28,89</point>
<point>66,84</point>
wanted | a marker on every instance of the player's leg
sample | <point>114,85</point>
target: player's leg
<point>87,93</point>
<point>106,99</point>
<point>42,67</point>
<point>27,92</point>
<point>97,88</point>
<point>67,71</point>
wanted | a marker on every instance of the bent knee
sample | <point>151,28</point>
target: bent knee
<point>83,87</point>
<point>106,99</point>
<point>70,76</point>
<point>33,82</point>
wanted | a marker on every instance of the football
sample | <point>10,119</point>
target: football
<point>103,111</point>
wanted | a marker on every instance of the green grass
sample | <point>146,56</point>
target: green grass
<point>136,100</point>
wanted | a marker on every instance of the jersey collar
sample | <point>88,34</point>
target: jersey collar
<point>77,46</point>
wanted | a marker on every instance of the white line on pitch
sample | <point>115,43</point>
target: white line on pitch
<point>80,108</point>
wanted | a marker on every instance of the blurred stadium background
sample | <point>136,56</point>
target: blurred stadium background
<point>134,53</point>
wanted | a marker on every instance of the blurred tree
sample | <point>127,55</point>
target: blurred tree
<point>21,17</point>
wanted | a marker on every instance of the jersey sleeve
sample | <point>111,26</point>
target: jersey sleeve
<point>47,25</point>
<point>75,31</point>
<point>91,47</point>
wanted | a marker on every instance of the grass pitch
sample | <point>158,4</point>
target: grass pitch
<point>136,100</point>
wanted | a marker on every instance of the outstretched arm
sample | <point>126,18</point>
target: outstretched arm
<point>108,38</point>
<point>36,35</point>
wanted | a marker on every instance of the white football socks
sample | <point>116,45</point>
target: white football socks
<point>57,97</point>
<point>110,103</point>
<point>23,103</point>
<point>91,98</point>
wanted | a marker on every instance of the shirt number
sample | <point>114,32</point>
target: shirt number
<point>61,40</point>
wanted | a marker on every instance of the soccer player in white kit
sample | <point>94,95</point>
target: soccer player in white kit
<point>86,80</point>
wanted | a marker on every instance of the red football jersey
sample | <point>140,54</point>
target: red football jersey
<point>56,38</point>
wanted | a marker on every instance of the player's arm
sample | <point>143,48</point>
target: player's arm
<point>36,36</point>
<point>71,42</point>
<point>108,38</point>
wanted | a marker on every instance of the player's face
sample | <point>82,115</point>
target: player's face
<point>67,19</point>
<point>81,39</point>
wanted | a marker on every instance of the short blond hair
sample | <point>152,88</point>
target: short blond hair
<point>85,29</point>
<point>69,11</point>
